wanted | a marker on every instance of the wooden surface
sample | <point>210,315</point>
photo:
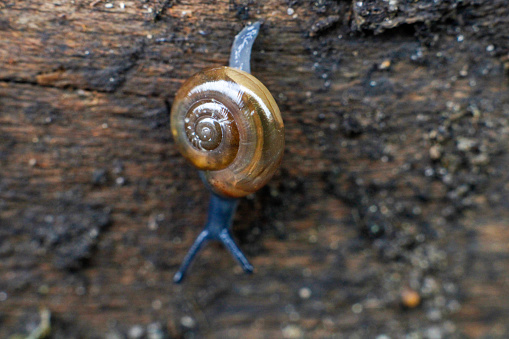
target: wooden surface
<point>389,216</point>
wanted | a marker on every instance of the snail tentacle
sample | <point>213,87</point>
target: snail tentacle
<point>201,239</point>
<point>229,243</point>
<point>220,219</point>
<point>240,56</point>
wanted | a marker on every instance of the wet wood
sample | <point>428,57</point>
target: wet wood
<point>389,214</point>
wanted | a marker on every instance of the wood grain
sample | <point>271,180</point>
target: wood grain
<point>394,177</point>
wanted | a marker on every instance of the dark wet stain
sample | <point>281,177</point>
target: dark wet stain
<point>68,230</point>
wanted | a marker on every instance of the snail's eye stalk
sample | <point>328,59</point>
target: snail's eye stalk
<point>240,56</point>
<point>218,226</point>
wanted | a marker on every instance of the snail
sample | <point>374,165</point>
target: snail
<point>227,124</point>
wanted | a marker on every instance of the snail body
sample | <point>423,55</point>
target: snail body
<point>227,124</point>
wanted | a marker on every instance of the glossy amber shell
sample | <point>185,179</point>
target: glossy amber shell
<point>227,124</point>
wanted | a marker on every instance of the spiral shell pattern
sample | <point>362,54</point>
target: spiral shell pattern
<point>227,124</point>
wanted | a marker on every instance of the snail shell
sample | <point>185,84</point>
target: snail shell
<point>228,125</point>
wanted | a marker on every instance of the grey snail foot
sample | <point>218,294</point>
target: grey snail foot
<point>221,212</point>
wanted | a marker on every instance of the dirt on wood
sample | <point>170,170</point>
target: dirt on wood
<point>388,218</point>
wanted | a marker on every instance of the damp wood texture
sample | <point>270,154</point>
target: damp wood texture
<point>389,216</point>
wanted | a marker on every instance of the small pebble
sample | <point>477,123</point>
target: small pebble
<point>187,321</point>
<point>385,64</point>
<point>136,332</point>
<point>113,334</point>
<point>465,144</point>
<point>410,298</point>
<point>357,308</point>
<point>155,331</point>
<point>434,333</point>
<point>434,314</point>
<point>435,152</point>
<point>305,293</point>
<point>292,332</point>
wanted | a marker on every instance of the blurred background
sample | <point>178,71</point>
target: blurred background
<point>387,219</point>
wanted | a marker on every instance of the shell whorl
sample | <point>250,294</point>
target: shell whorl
<point>227,124</point>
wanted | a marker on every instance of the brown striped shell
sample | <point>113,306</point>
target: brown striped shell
<point>227,124</point>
